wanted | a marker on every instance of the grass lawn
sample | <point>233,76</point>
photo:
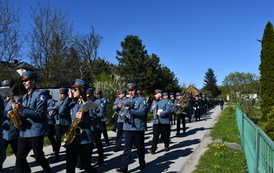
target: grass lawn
<point>219,158</point>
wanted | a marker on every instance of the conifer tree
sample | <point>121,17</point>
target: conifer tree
<point>135,65</point>
<point>267,71</point>
<point>210,85</point>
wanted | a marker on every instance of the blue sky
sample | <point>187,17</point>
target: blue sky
<point>189,36</point>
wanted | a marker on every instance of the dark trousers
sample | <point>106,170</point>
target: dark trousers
<point>173,118</point>
<point>84,152</point>
<point>137,138</point>
<point>119,135</point>
<point>51,136</point>
<point>164,130</point>
<point>181,119</point>
<point>13,144</point>
<point>98,142</point>
<point>105,133</point>
<point>24,147</point>
<point>59,131</point>
<point>197,114</point>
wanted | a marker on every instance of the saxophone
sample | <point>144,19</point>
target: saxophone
<point>14,116</point>
<point>74,129</point>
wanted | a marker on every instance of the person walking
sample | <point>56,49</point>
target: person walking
<point>82,144</point>
<point>161,109</point>
<point>34,127</point>
<point>134,128</point>
<point>62,117</point>
<point>119,109</point>
<point>103,104</point>
<point>10,132</point>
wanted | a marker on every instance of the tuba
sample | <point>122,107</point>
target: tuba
<point>182,101</point>
<point>14,116</point>
<point>74,129</point>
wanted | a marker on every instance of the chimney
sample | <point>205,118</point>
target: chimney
<point>15,61</point>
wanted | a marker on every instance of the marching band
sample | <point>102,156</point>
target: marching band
<point>79,116</point>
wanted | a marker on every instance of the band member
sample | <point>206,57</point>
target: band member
<point>2,148</point>
<point>119,109</point>
<point>134,128</point>
<point>173,115</point>
<point>82,144</point>
<point>10,133</point>
<point>197,108</point>
<point>103,104</point>
<point>51,120</point>
<point>97,127</point>
<point>34,125</point>
<point>180,115</point>
<point>189,108</point>
<point>161,109</point>
<point>61,114</point>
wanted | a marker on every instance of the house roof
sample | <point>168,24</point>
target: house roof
<point>23,65</point>
<point>20,65</point>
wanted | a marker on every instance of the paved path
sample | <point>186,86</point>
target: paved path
<point>184,153</point>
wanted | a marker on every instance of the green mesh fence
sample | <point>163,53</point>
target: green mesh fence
<point>258,147</point>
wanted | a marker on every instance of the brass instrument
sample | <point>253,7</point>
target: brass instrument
<point>74,129</point>
<point>181,108</point>
<point>124,116</point>
<point>14,116</point>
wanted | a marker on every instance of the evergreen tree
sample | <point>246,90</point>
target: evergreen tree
<point>210,84</point>
<point>135,65</point>
<point>267,75</point>
<point>267,71</point>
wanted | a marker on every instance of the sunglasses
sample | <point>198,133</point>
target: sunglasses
<point>26,80</point>
<point>75,89</point>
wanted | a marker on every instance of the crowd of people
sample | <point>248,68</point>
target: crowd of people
<point>79,117</point>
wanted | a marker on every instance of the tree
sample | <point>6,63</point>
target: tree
<point>49,40</point>
<point>167,80</point>
<point>242,88</point>
<point>267,71</point>
<point>10,44</point>
<point>210,84</point>
<point>87,47</point>
<point>135,65</point>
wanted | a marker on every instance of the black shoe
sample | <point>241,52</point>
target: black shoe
<point>166,149</point>
<point>99,162</point>
<point>55,159</point>
<point>177,134</point>
<point>142,166</point>
<point>80,167</point>
<point>134,147</point>
<point>123,170</point>
<point>151,151</point>
<point>116,149</point>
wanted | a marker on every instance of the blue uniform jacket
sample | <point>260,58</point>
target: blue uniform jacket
<point>102,102</point>
<point>2,145</point>
<point>35,121</point>
<point>135,120</point>
<point>63,113</point>
<point>9,131</point>
<point>85,123</point>
<point>96,117</point>
<point>51,104</point>
<point>164,107</point>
